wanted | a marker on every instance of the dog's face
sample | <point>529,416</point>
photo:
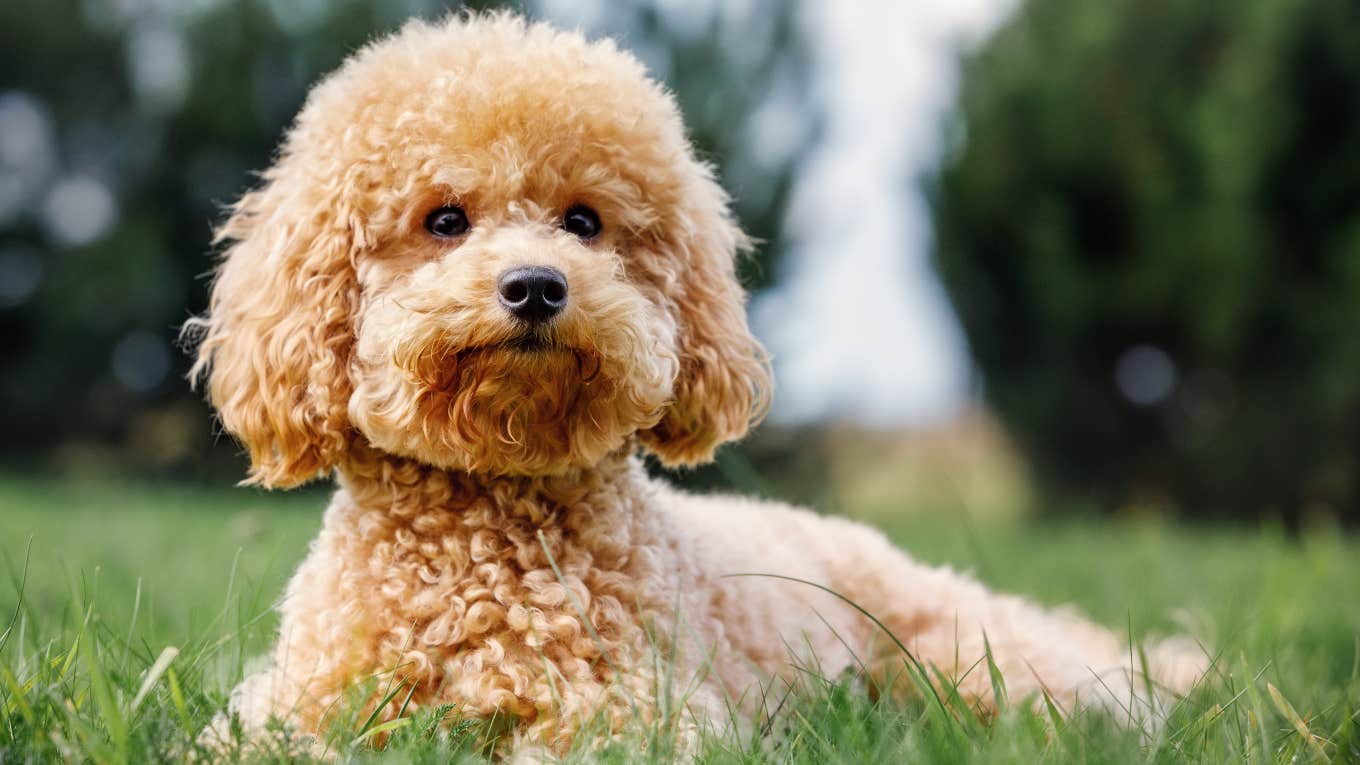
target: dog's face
<point>489,247</point>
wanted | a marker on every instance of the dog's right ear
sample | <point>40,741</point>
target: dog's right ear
<point>275,345</point>
<point>724,382</point>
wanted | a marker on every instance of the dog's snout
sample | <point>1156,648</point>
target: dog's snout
<point>533,293</point>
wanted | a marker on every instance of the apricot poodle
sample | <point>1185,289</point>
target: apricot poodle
<point>485,272</point>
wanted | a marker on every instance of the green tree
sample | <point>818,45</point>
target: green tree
<point>1149,223</point>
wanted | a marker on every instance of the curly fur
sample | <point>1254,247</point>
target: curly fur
<point>494,539</point>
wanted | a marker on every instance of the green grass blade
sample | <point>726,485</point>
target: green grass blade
<point>101,688</point>
<point>378,708</point>
<point>376,730</point>
<point>994,674</point>
<point>17,696</point>
<point>177,698</point>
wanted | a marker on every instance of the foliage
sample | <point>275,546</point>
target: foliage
<point>1149,223</point>
<point>163,110</point>
<point>84,673</point>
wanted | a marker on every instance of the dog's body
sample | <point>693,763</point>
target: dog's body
<point>555,601</point>
<point>481,389</point>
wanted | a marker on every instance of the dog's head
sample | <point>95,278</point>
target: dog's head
<point>487,246</point>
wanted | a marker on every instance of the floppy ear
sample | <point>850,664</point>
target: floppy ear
<point>724,383</point>
<point>275,345</point>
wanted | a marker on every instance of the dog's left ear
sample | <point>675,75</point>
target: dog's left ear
<point>724,382</point>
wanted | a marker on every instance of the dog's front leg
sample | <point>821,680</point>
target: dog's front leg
<point>322,645</point>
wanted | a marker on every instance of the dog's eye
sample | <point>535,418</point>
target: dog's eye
<point>447,222</point>
<point>581,221</point>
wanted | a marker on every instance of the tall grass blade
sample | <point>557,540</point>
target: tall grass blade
<point>152,675</point>
<point>110,712</point>
<point>994,674</point>
<point>21,587</point>
<point>1287,711</point>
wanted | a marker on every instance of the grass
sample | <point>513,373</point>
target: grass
<point>136,608</point>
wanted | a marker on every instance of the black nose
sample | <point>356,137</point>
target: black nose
<point>533,293</point>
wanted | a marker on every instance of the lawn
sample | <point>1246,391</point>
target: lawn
<point>99,580</point>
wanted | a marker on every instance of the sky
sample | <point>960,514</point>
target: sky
<point>859,326</point>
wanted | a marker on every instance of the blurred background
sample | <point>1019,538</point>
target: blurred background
<point>1019,256</point>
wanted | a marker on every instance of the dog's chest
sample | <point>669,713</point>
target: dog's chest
<point>498,614</point>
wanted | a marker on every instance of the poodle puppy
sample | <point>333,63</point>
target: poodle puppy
<point>485,272</point>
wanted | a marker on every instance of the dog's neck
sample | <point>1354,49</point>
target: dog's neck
<point>402,486</point>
